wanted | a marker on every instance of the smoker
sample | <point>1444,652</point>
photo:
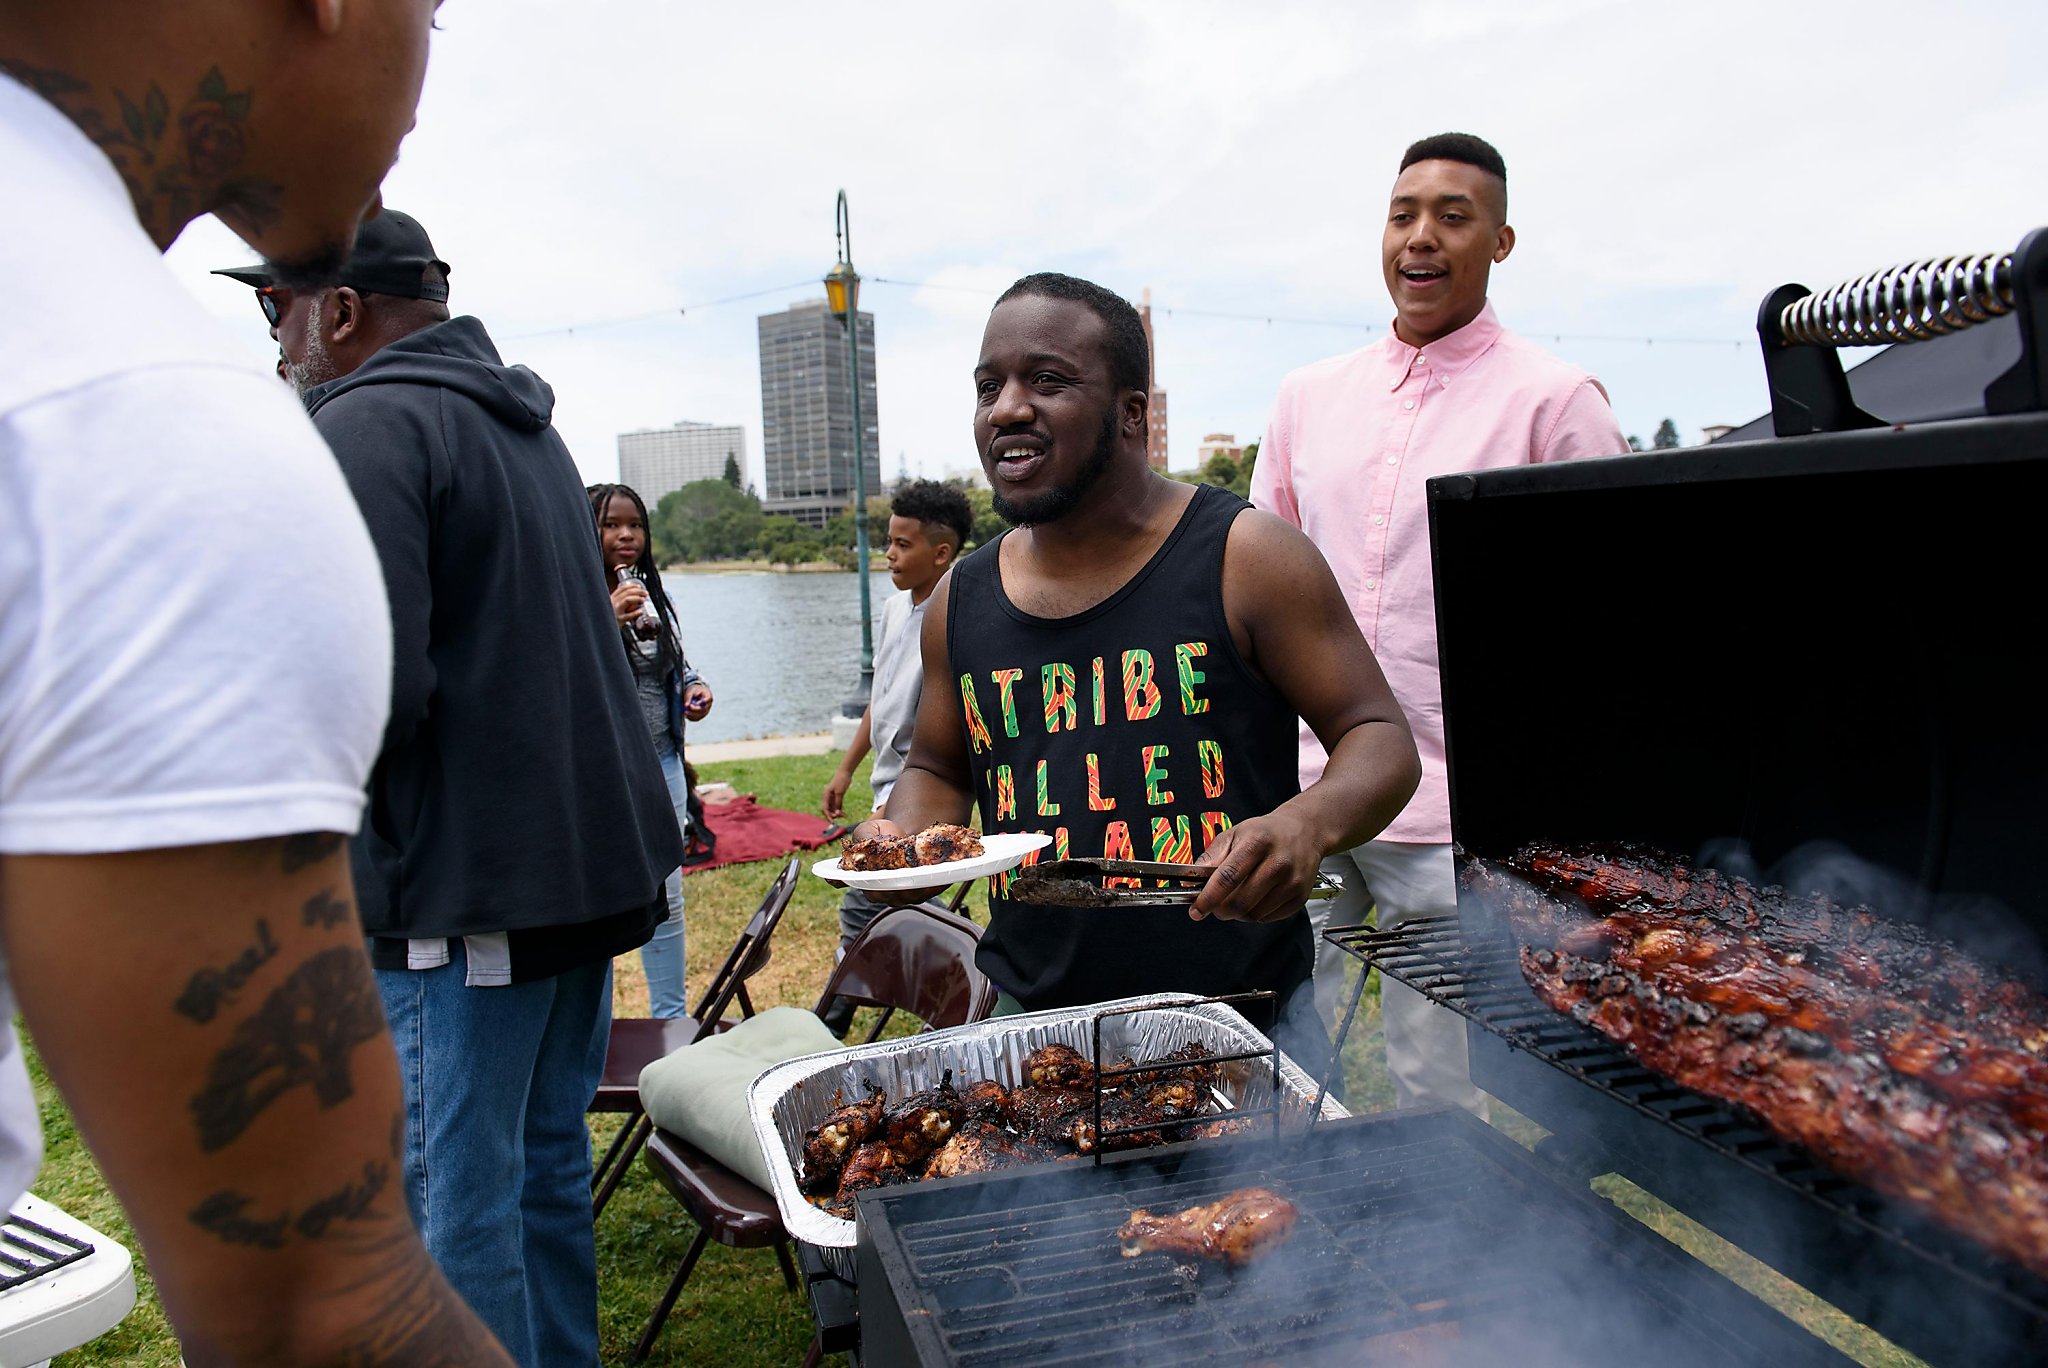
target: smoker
<point>1818,648</point>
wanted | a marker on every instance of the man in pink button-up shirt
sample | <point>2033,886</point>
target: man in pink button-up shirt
<point>1352,442</point>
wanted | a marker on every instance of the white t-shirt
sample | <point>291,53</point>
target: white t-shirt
<point>194,642</point>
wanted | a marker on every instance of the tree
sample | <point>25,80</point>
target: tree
<point>981,500</point>
<point>1667,436</point>
<point>1220,470</point>
<point>1635,443</point>
<point>732,470</point>
<point>706,520</point>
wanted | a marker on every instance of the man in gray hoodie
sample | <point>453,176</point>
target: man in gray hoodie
<point>518,828</point>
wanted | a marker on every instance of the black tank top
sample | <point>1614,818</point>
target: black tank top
<point>1133,730</point>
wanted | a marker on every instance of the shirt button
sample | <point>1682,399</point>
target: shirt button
<point>1407,403</point>
<point>1378,519</point>
<point>1372,584</point>
<point>1393,460</point>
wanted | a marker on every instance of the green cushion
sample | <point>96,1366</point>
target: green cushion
<point>700,1091</point>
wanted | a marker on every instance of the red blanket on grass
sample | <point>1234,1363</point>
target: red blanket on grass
<point>746,831</point>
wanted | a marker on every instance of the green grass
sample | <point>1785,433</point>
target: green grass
<point>735,1312</point>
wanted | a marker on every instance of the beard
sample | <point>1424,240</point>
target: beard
<point>1056,503</point>
<point>316,364</point>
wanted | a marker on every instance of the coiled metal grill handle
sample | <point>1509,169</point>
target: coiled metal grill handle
<point>1909,303</point>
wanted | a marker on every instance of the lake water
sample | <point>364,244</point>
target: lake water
<point>781,652</point>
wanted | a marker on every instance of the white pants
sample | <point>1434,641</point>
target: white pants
<point>1395,881</point>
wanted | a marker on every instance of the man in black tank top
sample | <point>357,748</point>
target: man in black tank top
<point>1123,670</point>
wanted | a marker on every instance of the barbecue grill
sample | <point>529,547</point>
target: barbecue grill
<point>1732,653</point>
<point>1810,654</point>
<point>1424,1236</point>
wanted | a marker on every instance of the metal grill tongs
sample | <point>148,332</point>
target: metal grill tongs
<point>1077,883</point>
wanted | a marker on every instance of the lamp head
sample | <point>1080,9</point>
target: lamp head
<point>842,290</point>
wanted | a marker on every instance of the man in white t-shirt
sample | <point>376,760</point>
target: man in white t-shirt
<point>194,667</point>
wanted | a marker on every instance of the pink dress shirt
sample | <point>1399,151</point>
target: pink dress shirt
<point>1352,442</point>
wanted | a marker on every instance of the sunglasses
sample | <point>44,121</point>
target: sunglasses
<point>273,300</point>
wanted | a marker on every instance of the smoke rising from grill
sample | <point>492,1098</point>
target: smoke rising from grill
<point>1422,1238</point>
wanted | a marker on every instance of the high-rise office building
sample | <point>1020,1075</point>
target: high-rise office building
<point>1155,440</point>
<point>660,461</point>
<point>807,413</point>
<point>1218,444</point>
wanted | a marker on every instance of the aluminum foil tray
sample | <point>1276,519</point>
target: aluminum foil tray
<point>794,1096</point>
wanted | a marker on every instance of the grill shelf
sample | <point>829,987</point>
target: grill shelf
<point>1476,973</point>
<point>29,1249</point>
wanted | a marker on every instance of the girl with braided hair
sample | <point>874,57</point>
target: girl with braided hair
<point>671,694</point>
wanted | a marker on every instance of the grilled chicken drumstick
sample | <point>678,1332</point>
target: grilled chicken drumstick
<point>1240,1227</point>
<point>923,1122</point>
<point>843,1130</point>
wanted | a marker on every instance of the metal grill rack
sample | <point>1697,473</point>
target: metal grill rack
<point>1421,1235</point>
<point>1106,1077</point>
<point>28,1250</point>
<point>1476,974</point>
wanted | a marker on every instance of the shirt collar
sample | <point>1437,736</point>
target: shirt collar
<point>52,133</point>
<point>1450,355</point>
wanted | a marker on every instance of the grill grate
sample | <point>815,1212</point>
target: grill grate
<point>1477,974</point>
<point>28,1250</point>
<point>1422,1233</point>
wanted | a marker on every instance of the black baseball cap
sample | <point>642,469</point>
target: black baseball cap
<point>391,257</point>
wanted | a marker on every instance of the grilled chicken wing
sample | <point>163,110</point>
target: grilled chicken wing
<point>1242,1226</point>
<point>977,1147</point>
<point>938,844</point>
<point>1058,1066</point>
<point>923,1122</point>
<point>987,1101</point>
<point>876,852</point>
<point>843,1130</point>
<point>873,1165</point>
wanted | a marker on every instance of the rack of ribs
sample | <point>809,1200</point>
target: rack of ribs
<point>1889,1054</point>
<point>1235,1230</point>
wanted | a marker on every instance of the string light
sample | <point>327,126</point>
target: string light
<point>1170,311</point>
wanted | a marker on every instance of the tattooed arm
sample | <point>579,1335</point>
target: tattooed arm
<point>212,1021</point>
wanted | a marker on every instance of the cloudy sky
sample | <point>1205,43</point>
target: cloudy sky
<point>599,174</point>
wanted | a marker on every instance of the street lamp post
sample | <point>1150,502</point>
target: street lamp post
<point>842,293</point>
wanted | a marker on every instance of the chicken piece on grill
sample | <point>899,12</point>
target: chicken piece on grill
<point>875,853</point>
<point>1190,1062</point>
<point>977,1147</point>
<point>873,1165</point>
<point>1176,1097</point>
<point>944,842</point>
<point>1058,1066</point>
<point>1219,1128</point>
<point>843,1130</point>
<point>1046,1113</point>
<point>1235,1230</point>
<point>987,1101</point>
<point>1068,1118</point>
<point>922,1122</point>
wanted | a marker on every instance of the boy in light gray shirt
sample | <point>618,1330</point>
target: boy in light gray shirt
<point>928,524</point>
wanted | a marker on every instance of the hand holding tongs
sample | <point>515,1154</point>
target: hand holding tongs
<point>1074,883</point>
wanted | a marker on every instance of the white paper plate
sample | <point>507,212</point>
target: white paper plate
<point>1004,850</point>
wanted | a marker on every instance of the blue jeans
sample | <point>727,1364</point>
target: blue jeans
<point>662,957</point>
<point>497,1156</point>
